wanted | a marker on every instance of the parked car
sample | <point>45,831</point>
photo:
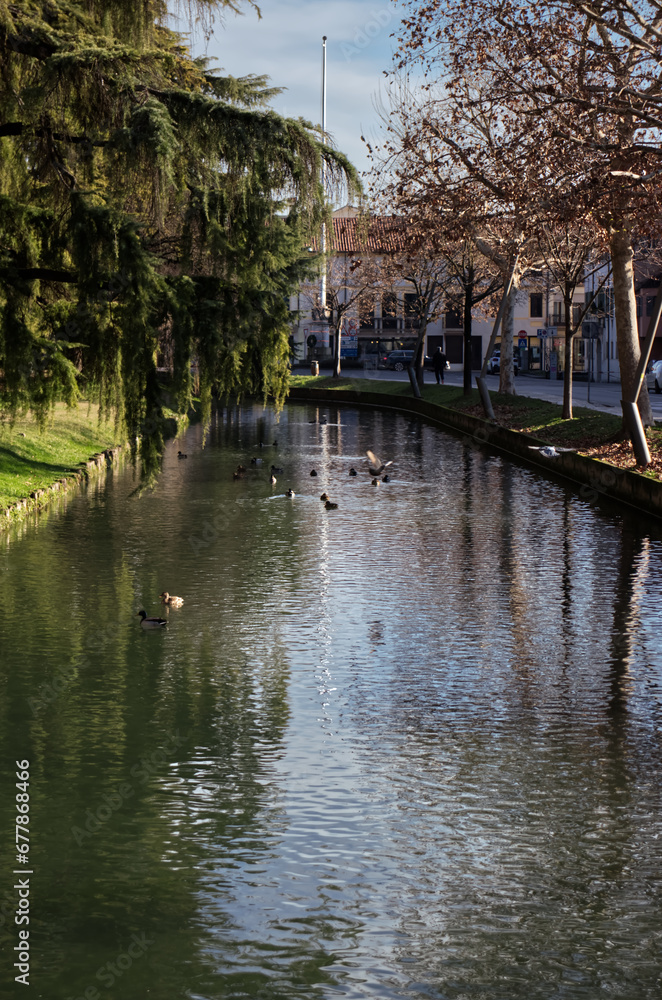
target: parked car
<point>399,360</point>
<point>494,364</point>
<point>654,376</point>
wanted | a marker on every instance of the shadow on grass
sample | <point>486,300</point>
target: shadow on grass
<point>15,464</point>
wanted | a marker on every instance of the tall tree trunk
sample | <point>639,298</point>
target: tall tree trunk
<point>625,307</point>
<point>336,352</point>
<point>418,362</point>
<point>506,372</point>
<point>468,301</point>
<point>567,370</point>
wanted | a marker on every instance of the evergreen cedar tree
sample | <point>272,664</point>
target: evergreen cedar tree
<point>148,206</point>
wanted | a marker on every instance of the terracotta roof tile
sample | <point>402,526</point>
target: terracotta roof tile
<point>359,236</point>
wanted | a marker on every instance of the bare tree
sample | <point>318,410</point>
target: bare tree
<point>460,163</point>
<point>568,253</point>
<point>583,77</point>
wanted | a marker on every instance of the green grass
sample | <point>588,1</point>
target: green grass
<point>31,460</point>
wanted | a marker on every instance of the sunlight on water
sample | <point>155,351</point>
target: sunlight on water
<point>409,747</point>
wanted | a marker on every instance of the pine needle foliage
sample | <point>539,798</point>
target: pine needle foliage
<point>149,206</point>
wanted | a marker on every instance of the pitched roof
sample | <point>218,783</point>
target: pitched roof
<point>384,235</point>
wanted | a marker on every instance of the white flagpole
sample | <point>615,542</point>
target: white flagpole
<point>323,241</point>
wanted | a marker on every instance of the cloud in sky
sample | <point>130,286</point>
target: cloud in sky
<point>286,44</point>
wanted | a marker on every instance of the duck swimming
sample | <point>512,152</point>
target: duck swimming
<point>173,602</point>
<point>331,506</point>
<point>273,480</point>
<point>180,454</point>
<point>290,493</point>
<point>353,472</point>
<point>375,482</point>
<point>313,473</point>
<point>150,622</point>
<point>275,469</point>
<point>325,496</point>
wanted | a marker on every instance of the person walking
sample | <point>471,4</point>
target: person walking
<point>439,361</point>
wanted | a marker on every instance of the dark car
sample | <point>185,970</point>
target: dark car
<point>399,360</point>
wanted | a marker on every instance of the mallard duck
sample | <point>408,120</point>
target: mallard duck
<point>331,506</point>
<point>237,475</point>
<point>180,454</point>
<point>275,469</point>
<point>241,468</point>
<point>325,496</point>
<point>173,602</point>
<point>375,482</point>
<point>273,480</point>
<point>386,479</point>
<point>353,472</point>
<point>290,493</point>
<point>151,621</point>
<point>256,461</point>
<point>313,473</point>
<point>376,466</point>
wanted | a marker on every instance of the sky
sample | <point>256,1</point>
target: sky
<point>286,44</point>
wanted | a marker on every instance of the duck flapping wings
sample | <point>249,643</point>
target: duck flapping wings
<point>376,466</point>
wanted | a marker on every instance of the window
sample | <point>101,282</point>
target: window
<point>453,320</point>
<point>389,311</point>
<point>367,312</point>
<point>454,350</point>
<point>535,304</point>
<point>557,315</point>
<point>650,302</point>
<point>412,320</point>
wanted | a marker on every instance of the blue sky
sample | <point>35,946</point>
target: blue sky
<point>286,44</point>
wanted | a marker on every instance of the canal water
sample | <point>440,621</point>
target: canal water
<point>407,748</point>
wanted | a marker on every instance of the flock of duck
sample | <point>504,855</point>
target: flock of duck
<point>375,467</point>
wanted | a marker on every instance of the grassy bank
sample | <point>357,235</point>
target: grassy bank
<point>590,432</point>
<point>31,460</point>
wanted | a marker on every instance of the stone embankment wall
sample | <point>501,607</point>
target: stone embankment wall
<point>93,467</point>
<point>594,479</point>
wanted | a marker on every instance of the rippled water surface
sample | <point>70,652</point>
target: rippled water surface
<point>405,748</point>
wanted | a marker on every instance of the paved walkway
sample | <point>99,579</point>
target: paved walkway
<point>596,395</point>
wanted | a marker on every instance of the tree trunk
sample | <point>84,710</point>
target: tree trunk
<point>468,301</point>
<point>336,352</point>
<point>567,370</point>
<point>625,307</point>
<point>506,372</point>
<point>418,361</point>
